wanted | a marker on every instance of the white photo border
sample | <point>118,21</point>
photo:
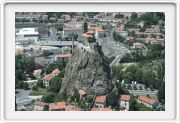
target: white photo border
<point>8,117</point>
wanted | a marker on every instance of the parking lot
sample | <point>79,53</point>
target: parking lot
<point>140,89</point>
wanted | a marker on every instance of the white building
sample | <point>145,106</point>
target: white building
<point>38,106</point>
<point>26,36</point>
<point>70,30</point>
<point>122,32</point>
<point>37,73</point>
<point>99,33</point>
<point>137,45</point>
<point>124,102</point>
<point>27,32</point>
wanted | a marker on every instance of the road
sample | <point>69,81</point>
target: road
<point>22,96</point>
<point>112,47</point>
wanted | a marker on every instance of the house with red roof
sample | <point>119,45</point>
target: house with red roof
<point>149,102</point>
<point>100,101</point>
<point>50,76</point>
<point>124,102</point>
<point>70,30</point>
<point>47,79</point>
<point>57,106</point>
<point>101,109</point>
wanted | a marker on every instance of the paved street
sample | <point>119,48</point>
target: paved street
<point>22,96</point>
<point>111,48</point>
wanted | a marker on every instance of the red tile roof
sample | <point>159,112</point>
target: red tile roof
<point>100,99</point>
<point>38,103</point>
<point>70,107</point>
<point>71,28</point>
<point>48,77</point>
<point>56,71</point>
<point>57,105</point>
<point>137,44</point>
<point>125,97</point>
<point>63,55</point>
<point>102,109</point>
<point>99,30</point>
<point>147,100</point>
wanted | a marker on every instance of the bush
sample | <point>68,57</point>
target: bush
<point>25,86</point>
<point>46,108</point>
<point>58,98</point>
<point>34,88</point>
<point>89,99</point>
<point>40,83</point>
<point>49,98</point>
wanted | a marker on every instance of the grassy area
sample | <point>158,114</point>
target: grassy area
<point>39,91</point>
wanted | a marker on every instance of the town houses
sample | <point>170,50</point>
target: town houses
<point>49,77</point>
<point>130,47</point>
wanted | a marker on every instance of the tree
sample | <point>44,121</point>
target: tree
<point>149,19</point>
<point>25,86</point>
<point>15,104</point>
<point>119,16</point>
<point>34,88</point>
<point>40,83</point>
<point>49,98</point>
<point>134,16</point>
<point>46,108</point>
<point>133,104</point>
<point>161,92</point>
<point>75,96</point>
<point>64,95</point>
<point>117,72</point>
<point>112,98</point>
<point>55,84</point>
<point>58,98</point>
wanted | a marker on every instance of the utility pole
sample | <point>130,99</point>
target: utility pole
<point>72,43</point>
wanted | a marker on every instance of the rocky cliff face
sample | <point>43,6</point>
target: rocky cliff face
<point>86,70</point>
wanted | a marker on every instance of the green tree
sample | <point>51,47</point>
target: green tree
<point>133,106</point>
<point>49,98</point>
<point>55,84</point>
<point>119,16</point>
<point>75,95</point>
<point>58,98</point>
<point>25,86</point>
<point>46,108</point>
<point>112,98</point>
<point>40,83</point>
<point>134,16</point>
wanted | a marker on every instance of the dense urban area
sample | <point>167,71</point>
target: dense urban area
<point>89,61</point>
